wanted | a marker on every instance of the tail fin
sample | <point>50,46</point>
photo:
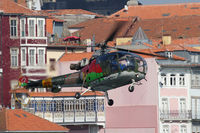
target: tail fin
<point>23,81</point>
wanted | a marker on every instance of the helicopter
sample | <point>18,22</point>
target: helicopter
<point>104,71</point>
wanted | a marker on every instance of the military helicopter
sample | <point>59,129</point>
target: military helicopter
<point>104,71</point>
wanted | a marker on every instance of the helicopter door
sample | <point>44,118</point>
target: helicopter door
<point>114,65</point>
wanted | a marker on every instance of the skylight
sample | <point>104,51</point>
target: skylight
<point>165,14</point>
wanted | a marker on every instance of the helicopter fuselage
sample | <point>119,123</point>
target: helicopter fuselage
<point>105,72</point>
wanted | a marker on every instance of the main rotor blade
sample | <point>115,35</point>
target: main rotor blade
<point>139,52</point>
<point>117,27</point>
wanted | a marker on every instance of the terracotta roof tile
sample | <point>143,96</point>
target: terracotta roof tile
<point>75,56</point>
<point>160,11</point>
<point>18,120</point>
<point>10,7</point>
<point>70,11</point>
<point>103,28</point>
<point>63,94</point>
<point>176,27</point>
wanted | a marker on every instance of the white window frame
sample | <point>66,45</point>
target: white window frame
<point>169,54</point>
<point>38,27</point>
<point>182,81</point>
<point>16,30</point>
<point>194,58</point>
<point>165,108</point>
<point>23,57</point>
<point>182,105</point>
<point>11,58</point>
<point>195,80</point>
<point>172,80</point>
<point>22,27</point>
<point>34,27</point>
<point>29,63</point>
<point>165,129</point>
<point>38,56</point>
<point>164,79</point>
<point>183,129</point>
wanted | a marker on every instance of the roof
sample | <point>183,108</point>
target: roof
<point>159,11</point>
<point>75,56</point>
<point>11,7</point>
<point>59,94</point>
<point>60,12</point>
<point>18,120</point>
<point>63,94</point>
<point>103,28</point>
<point>176,27</point>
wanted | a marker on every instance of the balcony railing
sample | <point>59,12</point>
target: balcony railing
<point>175,115</point>
<point>68,112</point>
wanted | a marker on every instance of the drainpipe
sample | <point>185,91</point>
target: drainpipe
<point>1,46</point>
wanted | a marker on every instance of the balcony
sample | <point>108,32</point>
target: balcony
<point>35,70</point>
<point>33,41</point>
<point>88,110</point>
<point>175,115</point>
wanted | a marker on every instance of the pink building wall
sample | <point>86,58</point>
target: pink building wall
<point>131,112</point>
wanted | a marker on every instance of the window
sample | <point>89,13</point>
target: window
<point>182,80</point>
<point>195,129</point>
<point>182,105</point>
<point>100,105</point>
<point>40,28</point>
<point>163,79</point>
<point>32,57</point>
<point>165,129</point>
<point>169,54</point>
<point>13,27</point>
<point>23,56</point>
<point>69,106</point>
<point>41,56</point>
<point>195,108</point>
<point>14,57</point>
<point>194,58</point>
<point>164,106</point>
<point>31,28</point>
<point>90,105</point>
<point>195,79</point>
<point>183,129</point>
<point>22,25</point>
<point>172,79</point>
<point>52,64</point>
<point>59,105</point>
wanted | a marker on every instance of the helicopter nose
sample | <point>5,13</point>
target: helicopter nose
<point>139,76</point>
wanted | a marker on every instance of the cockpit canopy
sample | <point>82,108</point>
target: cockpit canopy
<point>121,61</point>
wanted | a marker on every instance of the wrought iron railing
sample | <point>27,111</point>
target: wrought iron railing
<point>175,115</point>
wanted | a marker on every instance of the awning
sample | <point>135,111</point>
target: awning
<point>71,38</point>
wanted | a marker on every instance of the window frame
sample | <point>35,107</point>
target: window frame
<point>34,63</point>
<point>38,27</point>
<point>23,62</point>
<point>34,27</point>
<point>17,58</point>
<point>38,56</point>
<point>16,30</point>
<point>22,27</point>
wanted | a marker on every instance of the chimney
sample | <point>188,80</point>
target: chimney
<point>132,3</point>
<point>166,39</point>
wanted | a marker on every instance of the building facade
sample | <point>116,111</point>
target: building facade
<point>23,44</point>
